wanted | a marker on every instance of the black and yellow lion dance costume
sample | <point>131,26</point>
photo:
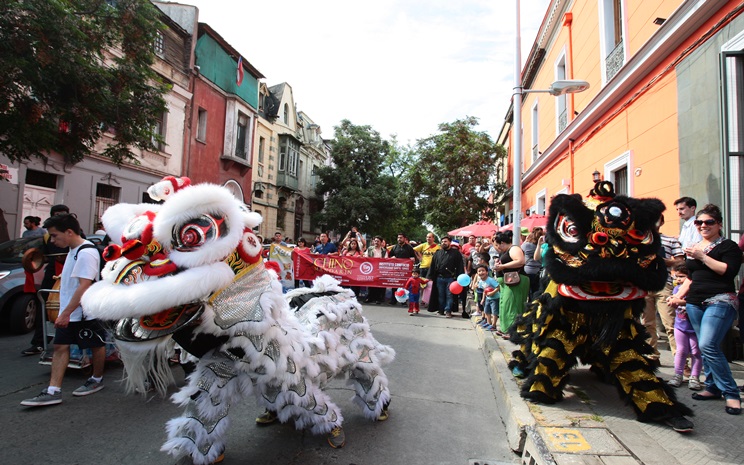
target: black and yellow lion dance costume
<point>604,258</point>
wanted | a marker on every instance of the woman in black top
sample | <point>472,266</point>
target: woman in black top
<point>711,303</point>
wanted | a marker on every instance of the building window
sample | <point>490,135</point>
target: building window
<point>261,148</point>
<point>41,178</point>
<point>289,155</point>
<point>616,172</point>
<point>733,111</point>
<point>106,196</point>
<point>159,133</point>
<point>282,156</point>
<point>612,43</point>
<point>314,177</point>
<point>159,44</point>
<point>535,125</point>
<point>241,137</point>
<point>286,114</point>
<point>540,202</point>
<point>201,126</point>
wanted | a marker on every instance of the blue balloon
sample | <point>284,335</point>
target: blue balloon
<point>463,280</point>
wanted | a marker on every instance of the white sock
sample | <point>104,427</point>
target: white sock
<point>53,390</point>
<point>97,380</point>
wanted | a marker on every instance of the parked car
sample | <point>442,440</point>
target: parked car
<point>17,308</point>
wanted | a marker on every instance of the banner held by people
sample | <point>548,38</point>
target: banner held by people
<point>355,271</point>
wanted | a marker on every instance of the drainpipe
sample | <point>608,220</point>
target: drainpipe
<point>571,158</point>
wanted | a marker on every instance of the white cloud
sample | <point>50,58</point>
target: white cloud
<point>401,66</point>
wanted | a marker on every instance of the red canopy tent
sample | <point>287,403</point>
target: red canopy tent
<point>478,229</point>
<point>532,221</point>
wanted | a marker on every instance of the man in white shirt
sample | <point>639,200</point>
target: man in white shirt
<point>689,234</point>
<point>81,270</point>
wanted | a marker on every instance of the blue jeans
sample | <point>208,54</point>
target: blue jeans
<point>492,307</point>
<point>711,324</point>
<point>445,296</point>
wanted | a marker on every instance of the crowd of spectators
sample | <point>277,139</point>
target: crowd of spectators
<point>698,307</point>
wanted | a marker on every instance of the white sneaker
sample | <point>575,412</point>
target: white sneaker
<point>694,384</point>
<point>676,381</point>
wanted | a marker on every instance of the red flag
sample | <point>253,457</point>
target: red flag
<point>239,76</point>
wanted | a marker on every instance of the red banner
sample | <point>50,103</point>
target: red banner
<point>354,271</point>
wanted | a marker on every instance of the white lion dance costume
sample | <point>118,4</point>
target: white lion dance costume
<point>190,270</point>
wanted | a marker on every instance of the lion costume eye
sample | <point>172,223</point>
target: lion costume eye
<point>635,236</point>
<point>567,230</point>
<point>196,232</point>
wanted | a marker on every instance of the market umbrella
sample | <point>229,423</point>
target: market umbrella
<point>532,221</point>
<point>478,229</point>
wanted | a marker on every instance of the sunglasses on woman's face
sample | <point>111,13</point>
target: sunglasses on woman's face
<point>706,222</point>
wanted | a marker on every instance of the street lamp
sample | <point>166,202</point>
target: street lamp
<point>557,88</point>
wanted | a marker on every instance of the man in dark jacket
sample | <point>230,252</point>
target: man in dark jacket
<point>446,266</point>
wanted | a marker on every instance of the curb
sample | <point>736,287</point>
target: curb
<point>544,442</point>
<point>512,408</point>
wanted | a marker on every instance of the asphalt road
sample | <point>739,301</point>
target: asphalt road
<point>443,410</point>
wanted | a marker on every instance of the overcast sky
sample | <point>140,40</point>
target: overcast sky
<point>400,66</point>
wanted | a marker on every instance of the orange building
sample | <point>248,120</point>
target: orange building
<point>664,114</point>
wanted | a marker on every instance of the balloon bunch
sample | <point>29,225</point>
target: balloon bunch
<point>462,282</point>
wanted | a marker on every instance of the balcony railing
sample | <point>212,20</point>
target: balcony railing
<point>615,60</point>
<point>286,180</point>
<point>562,120</point>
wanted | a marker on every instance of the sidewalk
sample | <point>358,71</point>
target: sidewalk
<point>593,426</point>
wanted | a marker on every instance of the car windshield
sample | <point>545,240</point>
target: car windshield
<point>13,250</point>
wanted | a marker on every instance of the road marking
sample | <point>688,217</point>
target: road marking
<point>566,440</point>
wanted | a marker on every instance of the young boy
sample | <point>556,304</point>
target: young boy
<point>490,298</point>
<point>81,270</point>
<point>414,285</point>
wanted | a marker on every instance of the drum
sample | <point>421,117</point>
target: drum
<point>52,302</point>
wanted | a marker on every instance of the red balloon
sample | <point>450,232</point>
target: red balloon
<point>455,287</point>
<point>400,292</point>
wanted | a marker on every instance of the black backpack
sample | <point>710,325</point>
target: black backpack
<point>99,248</point>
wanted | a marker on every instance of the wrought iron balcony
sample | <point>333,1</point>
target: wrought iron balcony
<point>615,60</point>
<point>562,120</point>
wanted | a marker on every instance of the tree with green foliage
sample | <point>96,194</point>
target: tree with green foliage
<point>408,217</point>
<point>73,69</point>
<point>356,190</point>
<point>457,172</point>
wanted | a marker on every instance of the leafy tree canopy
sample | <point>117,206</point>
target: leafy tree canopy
<point>357,192</point>
<point>455,174</point>
<point>73,69</point>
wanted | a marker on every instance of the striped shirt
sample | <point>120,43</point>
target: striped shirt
<point>672,249</point>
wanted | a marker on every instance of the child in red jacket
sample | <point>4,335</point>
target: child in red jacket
<point>414,285</point>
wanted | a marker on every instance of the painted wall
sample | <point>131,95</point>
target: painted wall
<point>700,119</point>
<point>76,187</point>
<point>219,67</point>
<point>640,18</point>
<point>203,163</point>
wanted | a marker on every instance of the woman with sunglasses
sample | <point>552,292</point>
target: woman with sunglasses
<point>711,303</point>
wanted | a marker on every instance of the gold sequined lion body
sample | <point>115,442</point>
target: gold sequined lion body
<point>604,257</point>
<point>190,270</point>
